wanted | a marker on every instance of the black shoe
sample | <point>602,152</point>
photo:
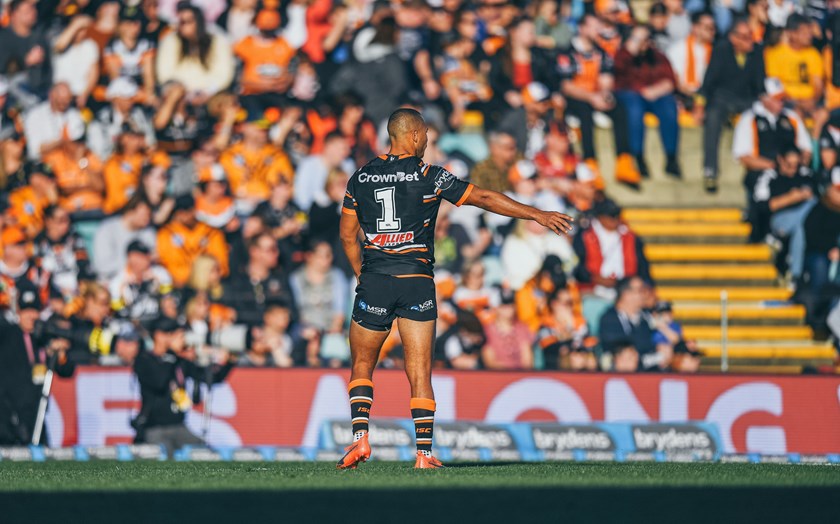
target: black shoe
<point>710,181</point>
<point>672,168</point>
<point>643,169</point>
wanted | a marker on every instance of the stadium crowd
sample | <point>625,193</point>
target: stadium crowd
<point>173,172</point>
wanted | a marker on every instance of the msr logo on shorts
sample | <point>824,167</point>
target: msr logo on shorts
<point>425,306</point>
<point>380,311</point>
<point>391,239</point>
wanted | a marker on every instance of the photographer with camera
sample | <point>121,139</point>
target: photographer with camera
<point>26,356</point>
<point>162,374</point>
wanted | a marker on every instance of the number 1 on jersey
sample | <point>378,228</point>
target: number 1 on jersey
<point>389,221</point>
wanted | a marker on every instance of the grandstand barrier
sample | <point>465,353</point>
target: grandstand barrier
<point>288,408</point>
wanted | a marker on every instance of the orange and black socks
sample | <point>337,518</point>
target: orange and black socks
<point>423,413</point>
<point>361,399</point>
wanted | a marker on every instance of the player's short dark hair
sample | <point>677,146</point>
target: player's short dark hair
<point>402,120</point>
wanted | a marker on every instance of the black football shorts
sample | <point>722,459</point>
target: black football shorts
<point>381,298</point>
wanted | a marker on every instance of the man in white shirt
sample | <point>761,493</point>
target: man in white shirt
<point>690,56</point>
<point>45,124</point>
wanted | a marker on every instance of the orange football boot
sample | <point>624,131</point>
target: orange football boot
<point>424,462</point>
<point>357,453</point>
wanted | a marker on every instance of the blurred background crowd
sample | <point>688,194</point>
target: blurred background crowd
<point>172,173</point>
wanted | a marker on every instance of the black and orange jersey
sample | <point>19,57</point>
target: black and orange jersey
<point>583,68</point>
<point>396,200</point>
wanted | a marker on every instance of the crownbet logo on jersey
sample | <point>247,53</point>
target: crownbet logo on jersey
<point>391,239</point>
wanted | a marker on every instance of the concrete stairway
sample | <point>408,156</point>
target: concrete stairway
<point>697,253</point>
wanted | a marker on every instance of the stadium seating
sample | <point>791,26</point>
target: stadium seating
<point>695,254</point>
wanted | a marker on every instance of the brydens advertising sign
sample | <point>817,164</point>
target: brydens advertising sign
<point>290,407</point>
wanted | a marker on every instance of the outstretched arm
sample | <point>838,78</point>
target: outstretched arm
<point>498,203</point>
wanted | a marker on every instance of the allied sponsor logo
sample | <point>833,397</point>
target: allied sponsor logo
<point>364,306</point>
<point>391,239</point>
<point>399,176</point>
<point>674,438</point>
<point>551,437</point>
<point>425,306</point>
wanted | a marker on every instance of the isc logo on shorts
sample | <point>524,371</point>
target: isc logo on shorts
<point>391,239</point>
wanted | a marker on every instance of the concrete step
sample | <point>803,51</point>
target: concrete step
<point>802,350</point>
<point>767,369</point>
<point>708,253</point>
<point>691,229</point>
<point>710,315</point>
<point>729,214</point>
<point>712,293</point>
<point>711,334</point>
<point>714,274</point>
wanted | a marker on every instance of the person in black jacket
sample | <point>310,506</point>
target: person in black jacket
<point>733,81</point>
<point>162,374</point>
<point>23,366</point>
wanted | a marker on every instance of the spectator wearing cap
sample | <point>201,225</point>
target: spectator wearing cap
<point>508,345</point>
<point>627,324</point>
<point>76,59</point>
<point>121,114</point>
<point>669,336</point>
<point>16,268</point>
<point>260,282</point>
<point>645,83</point>
<point>47,125</point>
<point>690,56</point>
<point>137,289</point>
<point>607,252</point>
<point>162,374</point>
<point>658,26</point>
<point>184,238</point>
<point>314,169</point>
<point>564,336</point>
<point>194,57</point>
<point>798,65</point>
<point>78,172</point>
<point>530,122</point>
<point>213,203</point>
<point>762,133</point>
<point>789,191</point>
<point>27,203</point>
<point>131,56</point>
<point>23,366</point>
<point>266,64</point>
<point>115,234</point>
<point>126,347</point>
<point>25,53</point>
<point>60,252</point>
<point>253,164</point>
<point>492,172</point>
<point>733,81</point>
<point>587,82</point>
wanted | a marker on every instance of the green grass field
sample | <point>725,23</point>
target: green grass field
<point>394,492</point>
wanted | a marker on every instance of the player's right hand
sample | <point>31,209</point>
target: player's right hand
<point>557,222</point>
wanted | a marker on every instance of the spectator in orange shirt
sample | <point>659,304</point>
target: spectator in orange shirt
<point>27,203</point>
<point>78,172</point>
<point>184,239</point>
<point>266,59</point>
<point>254,165</point>
<point>122,171</point>
<point>213,204</point>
